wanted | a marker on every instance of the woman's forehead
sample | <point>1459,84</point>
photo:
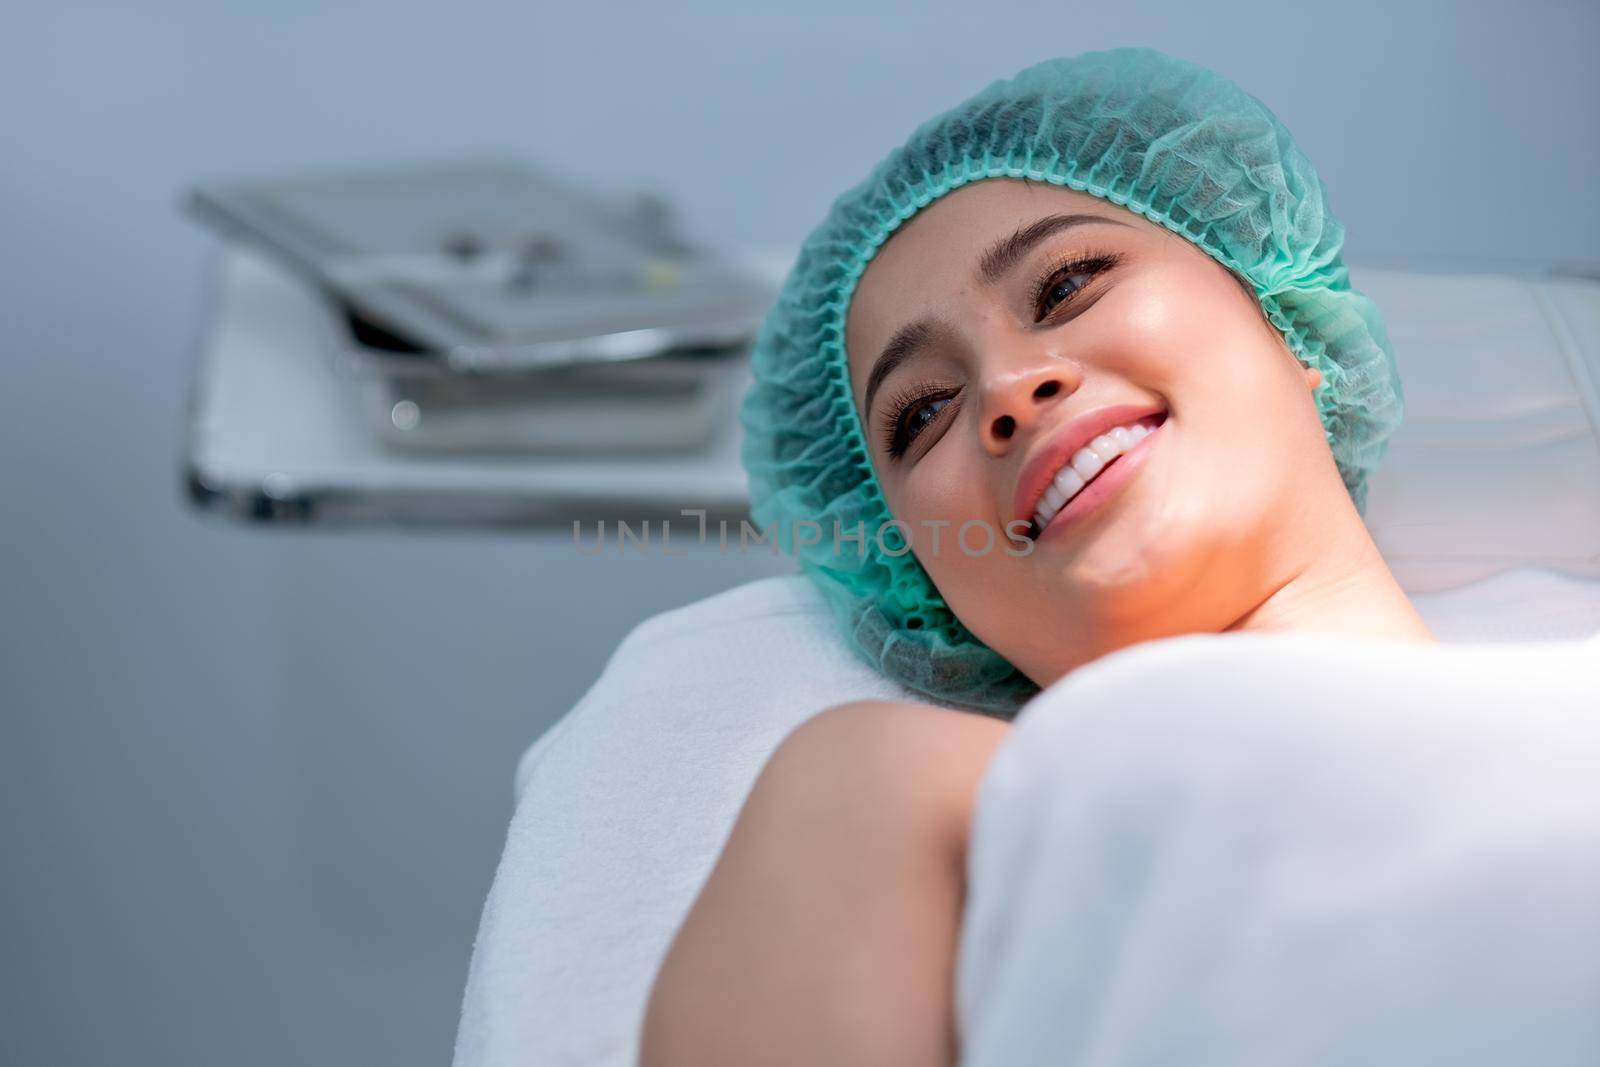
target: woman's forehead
<point>943,243</point>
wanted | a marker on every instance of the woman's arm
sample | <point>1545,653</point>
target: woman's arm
<point>826,932</point>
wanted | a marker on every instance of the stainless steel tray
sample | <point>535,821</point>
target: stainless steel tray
<point>490,263</point>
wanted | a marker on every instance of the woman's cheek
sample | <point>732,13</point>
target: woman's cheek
<point>946,486</point>
<point>933,499</point>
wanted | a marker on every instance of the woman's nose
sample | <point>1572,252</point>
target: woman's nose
<point>1014,402</point>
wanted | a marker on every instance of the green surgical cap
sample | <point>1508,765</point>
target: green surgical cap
<point>1175,142</point>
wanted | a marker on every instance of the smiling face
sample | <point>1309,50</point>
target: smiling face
<point>1014,315</point>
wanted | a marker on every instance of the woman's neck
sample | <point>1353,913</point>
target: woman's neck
<point>1347,590</point>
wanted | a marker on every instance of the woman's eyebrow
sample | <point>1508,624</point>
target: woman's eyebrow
<point>1007,252</point>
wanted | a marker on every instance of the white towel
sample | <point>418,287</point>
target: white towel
<point>624,805</point>
<point>1245,849</point>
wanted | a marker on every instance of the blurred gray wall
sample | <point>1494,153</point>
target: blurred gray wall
<point>255,780</point>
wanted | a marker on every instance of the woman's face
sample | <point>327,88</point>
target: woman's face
<point>984,333</point>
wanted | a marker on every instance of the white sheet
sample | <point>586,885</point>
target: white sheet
<point>1223,850</point>
<point>624,805</point>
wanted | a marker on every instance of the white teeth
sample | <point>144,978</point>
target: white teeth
<point>1087,463</point>
<point>1068,482</point>
<point>1054,497</point>
<point>1104,447</point>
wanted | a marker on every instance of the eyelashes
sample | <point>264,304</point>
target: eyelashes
<point>904,418</point>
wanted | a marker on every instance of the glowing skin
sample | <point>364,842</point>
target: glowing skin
<point>1237,518</point>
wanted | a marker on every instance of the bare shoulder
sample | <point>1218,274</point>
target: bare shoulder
<point>839,886</point>
<point>894,756</point>
<point>893,729</point>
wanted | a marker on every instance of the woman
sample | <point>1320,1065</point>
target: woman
<point>1077,367</point>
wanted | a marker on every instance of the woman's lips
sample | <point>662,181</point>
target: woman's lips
<point>1064,442</point>
<point>1105,485</point>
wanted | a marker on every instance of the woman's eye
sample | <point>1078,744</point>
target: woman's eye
<point>923,414</point>
<point>1061,289</point>
<point>912,417</point>
<point>1068,280</point>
